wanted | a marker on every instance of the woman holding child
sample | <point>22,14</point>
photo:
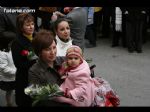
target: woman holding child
<point>45,70</point>
<point>72,73</point>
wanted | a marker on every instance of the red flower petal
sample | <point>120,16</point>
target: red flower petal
<point>24,52</point>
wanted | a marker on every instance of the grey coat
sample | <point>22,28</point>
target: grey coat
<point>78,20</point>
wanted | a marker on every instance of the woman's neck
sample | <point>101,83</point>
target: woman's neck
<point>51,64</point>
<point>64,40</point>
<point>28,37</point>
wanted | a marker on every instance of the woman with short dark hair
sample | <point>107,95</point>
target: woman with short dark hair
<point>45,70</point>
<point>23,56</point>
<point>21,19</point>
<point>43,40</point>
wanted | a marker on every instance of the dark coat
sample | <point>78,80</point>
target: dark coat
<point>134,13</point>
<point>7,28</point>
<point>41,74</point>
<point>22,64</point>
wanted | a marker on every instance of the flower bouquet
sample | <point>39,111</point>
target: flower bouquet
<point>105,95</point>
<point>46,92</point>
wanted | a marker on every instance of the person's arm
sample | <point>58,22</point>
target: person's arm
<point>4,33</point>
<point>59,14</point>
<point>124,10</point>
<point>81,86</point>
<point>33,78</point>
<point>60,59</point>
<point>4,64</point>
<point>67,100</point>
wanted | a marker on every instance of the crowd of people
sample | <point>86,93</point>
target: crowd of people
<point>49,44</point>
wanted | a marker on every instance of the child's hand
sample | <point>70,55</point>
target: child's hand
<point>64,77</point>
<point>67,93</point>
<point>63,69</point>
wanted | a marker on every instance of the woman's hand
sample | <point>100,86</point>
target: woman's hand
<point>63,99</point>
<point>54,17</point>
<point>59,13</point>
<point>66,100</point>
<point>67,10</point>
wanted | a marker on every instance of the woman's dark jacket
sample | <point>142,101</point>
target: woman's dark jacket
<point>134,13</point>
<point>22,64</point>
<point>40,73</point>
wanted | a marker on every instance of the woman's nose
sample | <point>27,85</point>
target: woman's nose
<point>66,31</point>
<point>52,51</point>
<point>31,26</point>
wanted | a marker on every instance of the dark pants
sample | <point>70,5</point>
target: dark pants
<point>7,85</point>
<point>45,16</point>
<point>97,22</point>
<point>106,21</point>
<point>22,99</point>
<point>118,35</point>
<point>134,33</point>
<point>90,34</point>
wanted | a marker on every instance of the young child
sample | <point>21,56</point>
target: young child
<point>80,89</point>
<point>78,86</point>
<point>7,75</point>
